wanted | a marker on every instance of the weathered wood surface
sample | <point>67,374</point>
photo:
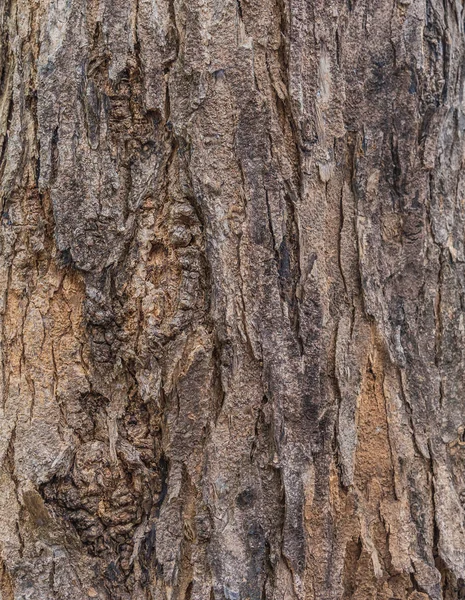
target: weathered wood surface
<point>232,299</point>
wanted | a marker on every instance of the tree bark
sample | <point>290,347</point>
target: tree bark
<point>232,300</point>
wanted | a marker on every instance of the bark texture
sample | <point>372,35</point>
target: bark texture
<point>232,300</point>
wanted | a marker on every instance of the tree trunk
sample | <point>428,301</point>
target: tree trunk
<point>232,299</point>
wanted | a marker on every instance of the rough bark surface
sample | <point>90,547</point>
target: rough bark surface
<point>232,299</point>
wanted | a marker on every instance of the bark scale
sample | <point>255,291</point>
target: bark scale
<point>232,299</point>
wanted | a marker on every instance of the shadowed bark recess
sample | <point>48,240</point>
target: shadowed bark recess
<point>232,276</point>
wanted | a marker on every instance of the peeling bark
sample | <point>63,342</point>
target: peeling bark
<point>232,300</point>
